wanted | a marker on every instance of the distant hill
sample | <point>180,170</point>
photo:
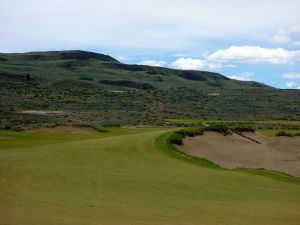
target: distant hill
<point>88,65</point>
<point>89,87</point>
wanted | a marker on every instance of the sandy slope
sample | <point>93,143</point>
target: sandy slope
<point>232,151</point>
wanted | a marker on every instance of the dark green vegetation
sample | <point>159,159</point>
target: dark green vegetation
<point>76,87</point>
<point>132,176</point>
<point>223,128</point>
<point>269,128</point>
<point>270,123</point>
<point>287,133</point>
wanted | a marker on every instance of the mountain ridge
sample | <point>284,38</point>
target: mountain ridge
<point>92,88</point>
<point>83,57</point>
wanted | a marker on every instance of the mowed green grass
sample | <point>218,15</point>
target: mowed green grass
<point>128,176</point>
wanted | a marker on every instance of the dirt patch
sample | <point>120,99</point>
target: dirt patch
<point>233,151</point>
<point>63,129</point>
<point>40,112</point>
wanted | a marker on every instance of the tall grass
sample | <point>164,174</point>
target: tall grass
<point>223,128</point>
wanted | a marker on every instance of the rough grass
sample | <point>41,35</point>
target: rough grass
<point>72,82</point>
<point>191,121</point>
<point>272,132</point>
<point>130,176</point>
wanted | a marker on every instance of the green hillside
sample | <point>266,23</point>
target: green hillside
<point>92,66</point>
<point>130,176</point>
<point>87,87</point>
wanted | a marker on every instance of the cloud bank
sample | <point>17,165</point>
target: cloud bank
<point>288,35</point>
<point>247,76</point>
<point>189,64</point>
<point>254,54</point>
<point>140,25</point>
<point>291,75</point>
<point>234,55</point>
<point>153,63</point>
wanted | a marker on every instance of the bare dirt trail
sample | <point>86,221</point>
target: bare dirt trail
<point>233,151</point>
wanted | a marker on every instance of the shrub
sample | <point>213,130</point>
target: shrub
<point>176,138</point>
<point>7,127</point>
<point>111,125</point>
<point>86,78</point>
<point>192,132</point>
<point>218,127</point>
<point>102,130</point>
<point>18,128</point>
<point>284,133</point>
<point>280,133</point>
<point>244,128</point>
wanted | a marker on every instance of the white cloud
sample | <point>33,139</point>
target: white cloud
<point>238,54</point>
<point>189,64</point>
<point>215,65</point>
<point>153,63</point>
<point>227,58</point>
<point>290,30</point>
<point>135,25</point>
<point>254,54</point>
<point>247,76</point>
<point>292,85</point>
<point>291,75</point>
<point>281,39</point>
<point>284,36</point>
<point>196,64</point>
<point>230,66</point>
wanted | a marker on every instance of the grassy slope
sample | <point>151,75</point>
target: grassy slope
<point>83,85</point>
<point>54,66</point>
<point>125,177</point>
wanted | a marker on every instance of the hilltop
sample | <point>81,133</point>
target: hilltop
<point>60,65</point>
<point>86,87</point>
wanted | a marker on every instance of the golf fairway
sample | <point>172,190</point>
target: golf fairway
<point>128,176</point>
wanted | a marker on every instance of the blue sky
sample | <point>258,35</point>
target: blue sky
<point>247,40</point>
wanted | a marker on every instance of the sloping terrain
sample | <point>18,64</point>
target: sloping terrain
<point>87,65</point>
<point>130,176</point>
<point>234,151</point>
<point>97,89</point>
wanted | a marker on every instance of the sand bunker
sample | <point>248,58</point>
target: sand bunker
<point>64,129</point>
<point>232,151</point>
